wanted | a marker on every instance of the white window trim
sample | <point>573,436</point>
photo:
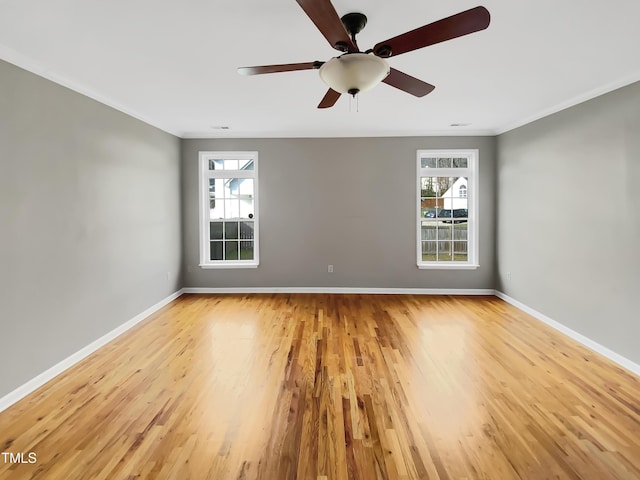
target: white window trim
<point>473,219</point>
<point>203,186</point>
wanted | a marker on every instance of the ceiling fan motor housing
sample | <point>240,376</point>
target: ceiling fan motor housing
<point>354,23</point>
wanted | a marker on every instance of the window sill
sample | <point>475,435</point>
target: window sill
<point>444,266</point>
<point>226,265</point>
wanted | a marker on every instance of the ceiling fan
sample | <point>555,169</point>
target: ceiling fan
<point>355,71</point>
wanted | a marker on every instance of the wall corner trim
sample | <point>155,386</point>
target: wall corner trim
<point>36,382</point>
<point>578,337</point>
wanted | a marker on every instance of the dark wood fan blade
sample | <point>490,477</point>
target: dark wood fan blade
<point>455,26</point>
<point>287,67</point>
<point>326,19</point>
<point>330,99</point>
<point>407,83</point>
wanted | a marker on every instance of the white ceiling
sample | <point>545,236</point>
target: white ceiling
<point>173,64</point>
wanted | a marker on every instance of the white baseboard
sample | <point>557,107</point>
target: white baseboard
<point>578,337</point>
<point>345,290</point>
<point>35,383</point>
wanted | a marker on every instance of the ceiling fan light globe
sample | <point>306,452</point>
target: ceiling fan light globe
<point>354,71</point>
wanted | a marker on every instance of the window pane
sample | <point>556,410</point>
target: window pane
<point>216,250</point>
<point>245,187</point>
<point>231,164</point>
<point>460,163</point>
<point>460,247</point>
<point>444,232</point>
<point>231,208</point>
<point>460,251</point>
<point>212,189</point>
<point>459,202</point>
<point>446,187</point>
<point>216,188</point>
<point>444,251</point>
<point>246,208</point>
<point>460,215</point>
<point>429,251</point>
<point>428,231</point>
<point>444,163</point>
<point>246,230</point>
<point>215,230</point>
<point>428,162</point>
<point>232,188</point>
<point>447,184</point>
<point>216,164</point>
<point>216,205</point>
<point>245,196</point>
<point>246,250</point>
<point>429,187</point>
<point>460,231</point>
<point>446,215</point>
<point>245,164</point>
<point>231,250</point>
<point>461,257</point>
<point>230,230</point>
<point>436,187</point>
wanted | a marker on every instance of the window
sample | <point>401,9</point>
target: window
<point>447,212</point>
<point>228,209</point>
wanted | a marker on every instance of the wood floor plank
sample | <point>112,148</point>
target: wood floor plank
<point>332,387</point>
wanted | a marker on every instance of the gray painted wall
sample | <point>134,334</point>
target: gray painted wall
<point>90,222</point>
<point>349,202</point>
<point>569,218</point>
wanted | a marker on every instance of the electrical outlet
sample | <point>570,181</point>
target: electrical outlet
<point>330,268</point>
<point>508,275</point>
<point>168,275</point>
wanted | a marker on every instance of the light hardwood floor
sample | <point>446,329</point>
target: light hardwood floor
<point>323,387</point>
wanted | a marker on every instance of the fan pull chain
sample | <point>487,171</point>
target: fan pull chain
<point>357,100</point>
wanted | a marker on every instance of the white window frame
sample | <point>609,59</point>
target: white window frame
<point>471,172</point>
<point>204,174</point>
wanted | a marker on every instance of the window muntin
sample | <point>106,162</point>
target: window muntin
<point>228,209</point>
<point>447,209</point>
